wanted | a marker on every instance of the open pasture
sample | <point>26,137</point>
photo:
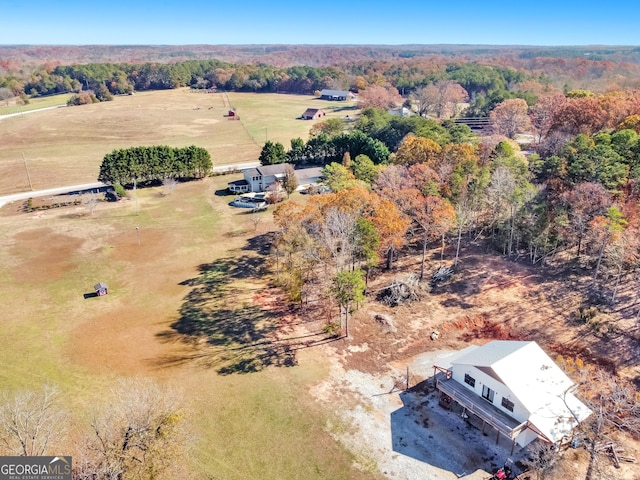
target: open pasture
<point>66,146</point>
<point>186,303</point>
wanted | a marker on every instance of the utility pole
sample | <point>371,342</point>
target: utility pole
<point>135,194</point>
<point>27,170</point>
<point>138,234</point>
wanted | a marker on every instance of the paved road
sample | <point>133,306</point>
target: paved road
<point>88,186</point>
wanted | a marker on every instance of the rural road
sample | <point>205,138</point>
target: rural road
<point>89,186</point>
<point>29,111</point>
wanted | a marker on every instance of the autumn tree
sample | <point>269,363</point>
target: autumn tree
<point>603,230</point>
<point>542,114</point>
<point>632,122</point>
<point>579,115</point>
<point>348,288</point>
<point>434,215</point>
<point>510,117</point>
<point>330,127</point>
<point>337,177</point>
<point>375,96</point>
<point>415,149</point>
<point>391,225</point>
<point>295,251</point>
<point>583,203</point>
<point>289,180</point>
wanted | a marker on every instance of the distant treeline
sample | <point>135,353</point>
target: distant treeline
<point>486,85</point>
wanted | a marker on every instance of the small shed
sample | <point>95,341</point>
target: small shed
<point>101,289</point>
<point>312,114</point>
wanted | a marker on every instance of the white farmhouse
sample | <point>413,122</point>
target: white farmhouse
<point>260,179</point>
<point>515,387</point>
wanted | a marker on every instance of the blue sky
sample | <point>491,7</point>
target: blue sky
<point>146,22</point>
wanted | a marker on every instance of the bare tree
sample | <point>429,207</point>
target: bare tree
<point>5,95</point>
<point>440,98</point>
<point>169,185</point>
<point>29,422</point>
<point>256,221</point>
<point>615,409</point>
<point>584,202</point>
<point>137,435</point>
<point>541,459</point>
<point>426,99</point>
<point>338,236</point>
<point>90,201</point>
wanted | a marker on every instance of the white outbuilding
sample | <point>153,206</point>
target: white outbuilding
<point>515,387</point>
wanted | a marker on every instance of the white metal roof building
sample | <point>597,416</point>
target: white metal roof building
<point>520,387</point>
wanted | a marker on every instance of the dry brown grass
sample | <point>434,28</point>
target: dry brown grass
<point>66,146</point>
<point>261,425</point>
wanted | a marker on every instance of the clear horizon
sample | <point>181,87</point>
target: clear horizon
<point>285,22</point>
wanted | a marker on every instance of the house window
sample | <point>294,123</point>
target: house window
<point>508,404</point>
<point>469,380</point>
<point>487,393</point>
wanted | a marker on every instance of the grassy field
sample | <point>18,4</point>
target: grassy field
<point>199,263</point>
<point>66,146</point>
<point>35,104</point>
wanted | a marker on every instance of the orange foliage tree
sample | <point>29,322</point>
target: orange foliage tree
<point>415,149</point>
<point>376,96</point>
<point>510,117</point>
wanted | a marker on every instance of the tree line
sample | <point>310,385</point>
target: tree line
<point>143,164</point>
<point>480,82</point>
<point>376,134</point>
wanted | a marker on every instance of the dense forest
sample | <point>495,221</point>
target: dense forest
<point>488,75</point>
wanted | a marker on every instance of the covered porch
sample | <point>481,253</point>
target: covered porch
<point>484,410</point>
<point>239,186</point>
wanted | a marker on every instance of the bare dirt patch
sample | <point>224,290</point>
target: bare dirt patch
<point>46,255</point>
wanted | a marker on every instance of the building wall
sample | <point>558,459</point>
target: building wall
<point>259,183</point>
<point>520,413</point>
<point>526,437</point>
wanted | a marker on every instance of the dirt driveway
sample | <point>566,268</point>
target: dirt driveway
<point>407,434</point>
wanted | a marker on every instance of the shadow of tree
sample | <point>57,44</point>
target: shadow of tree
<point>227,329</point>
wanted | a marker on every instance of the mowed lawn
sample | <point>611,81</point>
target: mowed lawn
<point>192,259</point>
<point>66,146</point>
